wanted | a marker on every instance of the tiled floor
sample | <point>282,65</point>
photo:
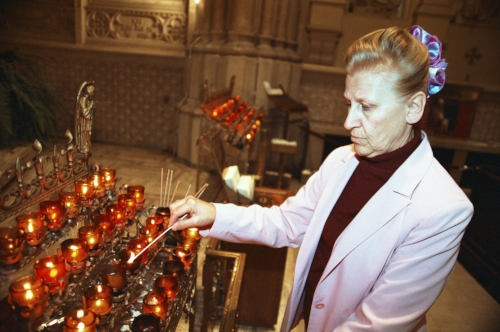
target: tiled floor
<point>464,306</point>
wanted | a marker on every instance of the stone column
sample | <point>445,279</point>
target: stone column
<point>202,28</point>
<point>240,37</point>
<point>293,29</point>
<point>264,47</point>
<point>218,17</point>
<point>280,40</point>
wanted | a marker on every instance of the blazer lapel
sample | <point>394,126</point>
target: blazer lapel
<point>393,197</point>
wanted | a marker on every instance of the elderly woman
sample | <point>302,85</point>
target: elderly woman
<point>379,225</point>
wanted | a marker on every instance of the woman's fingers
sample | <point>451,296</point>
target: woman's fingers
<point>199,213</point>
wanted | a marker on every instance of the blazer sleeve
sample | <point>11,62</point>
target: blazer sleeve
<point>415,274</point>
<point>277,226</point>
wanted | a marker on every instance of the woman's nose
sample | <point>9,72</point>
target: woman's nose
<point>352,120</point>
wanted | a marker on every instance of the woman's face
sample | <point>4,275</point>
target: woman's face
<point>376,115</point>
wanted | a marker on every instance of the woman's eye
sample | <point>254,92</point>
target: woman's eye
<point>365,108</point>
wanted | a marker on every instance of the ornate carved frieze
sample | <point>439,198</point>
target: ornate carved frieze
<point>387,8</point>
<point>166,24</point>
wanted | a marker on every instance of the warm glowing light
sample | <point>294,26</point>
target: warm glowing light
<point>132,257</point>
<point>98,303</point>
<point>99,288</point>
<point>85,190</point>
<point>30,228</point>
<point>27,286</point>
<point>91,240</point>
<point>249,136</point>
<point>80,313</point>
<point>49,264</point>
<point>29,295</point>
<point>53,273</point>
<point>73,247</point>
<point>80,326</point>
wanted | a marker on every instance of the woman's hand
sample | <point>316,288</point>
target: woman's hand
<point>199,213</point>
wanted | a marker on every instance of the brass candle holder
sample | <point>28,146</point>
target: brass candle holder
<point>29,297</point>
<point>75,251</point>
<point>12,240</point>
<point>53,270</point>
<point>80,320</point>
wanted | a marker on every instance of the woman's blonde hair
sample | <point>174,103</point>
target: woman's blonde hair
<point>394,49</point>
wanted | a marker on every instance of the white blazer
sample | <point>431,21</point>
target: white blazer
<point>391,262</point>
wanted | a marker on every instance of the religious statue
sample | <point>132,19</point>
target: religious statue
<point>83,117</point>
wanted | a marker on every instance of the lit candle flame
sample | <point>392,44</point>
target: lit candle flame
<point>49,264</point>
<point>29,295</point>
<point>80,326</point>
<point>73,247</point>
<point>133,256</point>
<point>80,313</point>
<point>30,228</point>
<point>27,286</point>
<point>99,288</point>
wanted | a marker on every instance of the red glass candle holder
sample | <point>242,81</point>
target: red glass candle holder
<point>149,234</point>
<point>137,192</point>
<point>75,251</point>
<point>109,177</point>
<point>115,276</point>
<point>29,297</point>
<point>80,320</point>
<point>93,235</point>
<point>98,183</point>
<point>54,213</point>
<point>190,244</point>
<point>12,240</point>
<point>174,268</point>
<point>84,189</point>
<point>99,299</point>
<point>119,214</point>
<point>34,227</point>
<point>192,233</point>
<point>164,213</point>
<point>53,270</point>
<point>146,322</point>
<point>167,286</point>
<point>182,254</point>
<point>127,202</point>
<point>155,222</point>
<point>136,245</point>
<point>105,221</point>
<point>70,202</point>
<point>132,266</point>
<point>155,304</point>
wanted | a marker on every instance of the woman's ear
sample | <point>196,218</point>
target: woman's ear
<point>416,107</point>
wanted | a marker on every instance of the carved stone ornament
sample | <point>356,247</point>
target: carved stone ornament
<point>168,25</point>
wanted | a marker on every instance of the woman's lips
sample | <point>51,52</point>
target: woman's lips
<point>355,139</point>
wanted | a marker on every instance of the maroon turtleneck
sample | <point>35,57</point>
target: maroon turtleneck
<point>368,177</point>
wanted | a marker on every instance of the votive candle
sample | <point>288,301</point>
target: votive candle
<point>115,276</point>
<point>168,286</point>
<point>70,202</point>
<point>105,221</point>
<point>156,304</point>
<point>34,227</point>
<point>99,299</point>
<point>146,322</point>
<point>12,240</point>
<point>84,189</point>
<point>53,270</point>
<point>53,211</point>
<point>29,297</point>
<point>98,183</point>
<point>137,192</point>
<point>125,256</point>
<point>109,177</point>
<point>80,320</point>
<point>118,213</point>
<point>75,251</point>
<point>92,234</point>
